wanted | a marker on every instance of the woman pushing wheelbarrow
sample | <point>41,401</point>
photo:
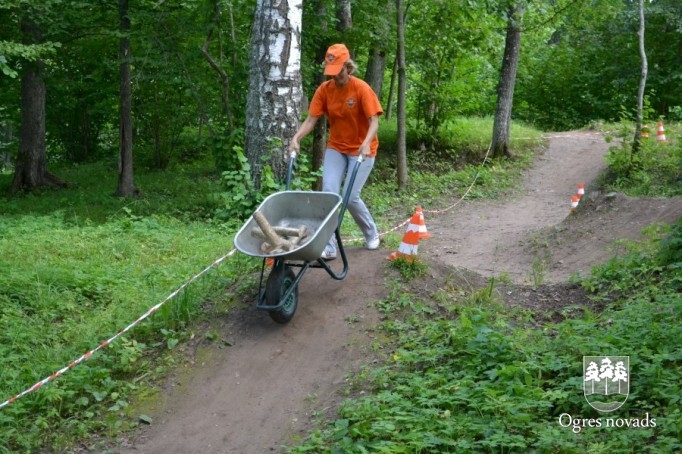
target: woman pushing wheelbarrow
<point>352,109</point>
<point>301,229</point>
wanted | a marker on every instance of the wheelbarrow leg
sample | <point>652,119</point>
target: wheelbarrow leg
<point>323,264</point>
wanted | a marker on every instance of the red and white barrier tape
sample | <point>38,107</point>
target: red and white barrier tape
<point>123,331</point>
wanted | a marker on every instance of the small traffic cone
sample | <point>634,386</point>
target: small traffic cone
<point>645,132</point>
<point>581,190</point>
<point>660,135</point>
<point>410,245</point>
<point>575,200</point>
<point>423,233</point>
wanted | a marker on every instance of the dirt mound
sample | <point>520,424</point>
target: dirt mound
<point>590,235</point>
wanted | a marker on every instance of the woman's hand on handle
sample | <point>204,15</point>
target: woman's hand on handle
<point>294,147</point>
<point>364,152</point>
<point>365,149</point>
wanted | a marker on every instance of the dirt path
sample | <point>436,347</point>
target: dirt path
<point>263,390</point>
<point>493,238</point>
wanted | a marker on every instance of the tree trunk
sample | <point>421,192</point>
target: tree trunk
<point>403,177</point>
<point>376,65</point>
<point>343,15</point>
<point>31,166</point>
<point>637,142</point>
<point>126,185</point>
<point>505,90</point>
<point>391,90</point>
<point>274,100</point>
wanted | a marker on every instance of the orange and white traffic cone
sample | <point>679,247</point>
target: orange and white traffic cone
<point>575,200</point>
<point>581,190</point>
<point>423,233</point>
<point>410,245</point>
<point>645,132</point>
<point>660,134</point>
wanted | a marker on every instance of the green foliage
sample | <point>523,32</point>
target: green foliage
<point>227,148</point>
<point>240,197</point>
<point>409,268</point>
<point>482,382</point>
<point>184,194</point>
<point>654,170</point>
<point>445,66</point>
<point>670,253</point>
<point>586,61</point>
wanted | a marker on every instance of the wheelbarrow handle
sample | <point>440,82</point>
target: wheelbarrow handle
<point>290,169</point>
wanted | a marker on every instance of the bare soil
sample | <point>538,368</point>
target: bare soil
<point>273,381</point>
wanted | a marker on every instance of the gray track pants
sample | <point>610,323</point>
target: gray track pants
<point>337,169</point>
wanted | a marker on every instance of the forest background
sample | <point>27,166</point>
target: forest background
<point>189,62</point>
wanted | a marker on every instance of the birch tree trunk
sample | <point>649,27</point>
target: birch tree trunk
<point>505,89</point>
<point>273,106</point>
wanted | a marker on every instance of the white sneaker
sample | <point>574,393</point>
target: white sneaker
<point>373,243</point>
<point>329,253</point>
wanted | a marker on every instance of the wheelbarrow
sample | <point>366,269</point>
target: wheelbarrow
<point>310,218</point>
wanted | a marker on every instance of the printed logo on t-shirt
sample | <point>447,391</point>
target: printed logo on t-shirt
<point>350,102</point>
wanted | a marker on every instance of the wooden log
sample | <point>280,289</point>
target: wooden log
<point>299,233</point>
<point>277,239</point>
<point>289,231</point>
<point>270,234</point>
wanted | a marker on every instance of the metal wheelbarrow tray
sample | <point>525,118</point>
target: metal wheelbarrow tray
<point>322,215</point>
<point>317,211</point>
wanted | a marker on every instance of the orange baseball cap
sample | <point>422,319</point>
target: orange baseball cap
<point>337,55</point>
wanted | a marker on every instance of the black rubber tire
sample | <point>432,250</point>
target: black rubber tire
<point>279,281</point>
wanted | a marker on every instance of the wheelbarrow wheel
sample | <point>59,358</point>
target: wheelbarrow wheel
<point>280,280</point>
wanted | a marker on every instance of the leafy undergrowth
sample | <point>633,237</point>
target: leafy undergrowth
<point>66,288</point>
<point>655,170</point>
<point>461,374</point>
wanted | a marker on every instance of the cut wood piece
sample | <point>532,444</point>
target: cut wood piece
<point>270,234</point>
<point>289,231</point>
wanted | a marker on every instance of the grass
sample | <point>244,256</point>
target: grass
<point>80,265</point>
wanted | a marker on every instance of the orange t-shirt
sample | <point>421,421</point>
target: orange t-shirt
<point>348,110</point>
